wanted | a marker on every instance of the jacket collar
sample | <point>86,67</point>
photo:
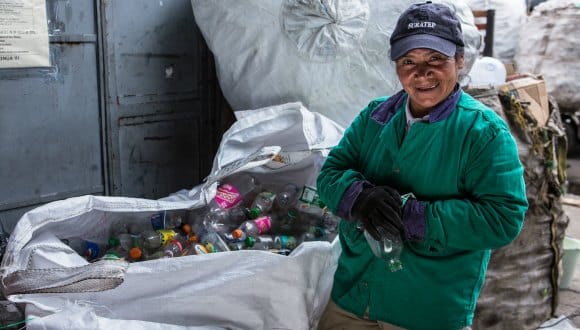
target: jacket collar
<point>386,110</point>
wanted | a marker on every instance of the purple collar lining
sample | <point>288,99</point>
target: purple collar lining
<point>386,110</point>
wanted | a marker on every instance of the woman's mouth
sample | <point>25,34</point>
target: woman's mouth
<point>426,88</point>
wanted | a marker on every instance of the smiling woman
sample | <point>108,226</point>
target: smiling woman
<point>428,77</point>
<point>454,156</point>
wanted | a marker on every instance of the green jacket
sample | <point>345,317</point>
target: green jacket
<point>463,167</point>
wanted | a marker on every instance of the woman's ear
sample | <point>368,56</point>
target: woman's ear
<point>460,61</point>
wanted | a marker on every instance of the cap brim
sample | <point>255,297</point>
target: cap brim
<point>402,46</point>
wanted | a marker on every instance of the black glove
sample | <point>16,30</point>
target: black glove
<point>379,210</point>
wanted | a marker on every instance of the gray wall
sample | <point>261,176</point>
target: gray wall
<point>130,106</point>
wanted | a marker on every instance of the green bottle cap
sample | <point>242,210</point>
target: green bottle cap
<point>254,213</point>
<point>114,241</point>
<point>250,241</point>
<point>293,214</point>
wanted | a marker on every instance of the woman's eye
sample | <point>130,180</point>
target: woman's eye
<point>436,60</point>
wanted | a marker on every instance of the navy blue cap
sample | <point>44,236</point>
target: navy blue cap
<point>427,25</point>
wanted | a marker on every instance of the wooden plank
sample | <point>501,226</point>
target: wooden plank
<point>571,201</point>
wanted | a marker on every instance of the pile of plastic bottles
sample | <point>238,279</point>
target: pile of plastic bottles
<point>243,215</point>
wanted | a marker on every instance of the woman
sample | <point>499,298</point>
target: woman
<point>460,163</point>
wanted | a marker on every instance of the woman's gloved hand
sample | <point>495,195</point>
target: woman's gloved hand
<point>379,210</point>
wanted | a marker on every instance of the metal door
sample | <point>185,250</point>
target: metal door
<point>129,106</point>
<point>162,109</point>
<point>50,123</point>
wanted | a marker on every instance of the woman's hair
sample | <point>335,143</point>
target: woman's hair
<point>460,51</point>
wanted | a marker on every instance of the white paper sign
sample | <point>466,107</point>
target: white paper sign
<point>23,34</point>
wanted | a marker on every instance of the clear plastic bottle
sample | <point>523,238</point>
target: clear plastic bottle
<point>115,251</point>
<point>285,242</point>
<point>165,220</point>
<point>387,248</point>
<point>288,222</point>
<point>152,255</point>
<point>262,242</point>
<point>257,226</point>
<point>223,220</point>
<point>314,233</point>
<point>173,249</point>
<point>212,242</point>
<point>87,249</point>
<point>286,198</point>
<point>262,204</point>
<point>234,190</point>
<point>227,209</point>
<point>152,240</point>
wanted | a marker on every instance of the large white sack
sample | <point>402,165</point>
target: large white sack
<point>331,55</point>
<point>550,45</point>
<point>509,18</point>
<point>241,289</point>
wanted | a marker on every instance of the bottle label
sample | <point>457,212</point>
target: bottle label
<point>264,224</point>
<point>178,245</point>
<point>93,250</point>
<point>199,249</point>
<point>167,235</point>
<point>309,195</point>
<point>288,242</point>
<point>158,221</point>
<point>227,196</point>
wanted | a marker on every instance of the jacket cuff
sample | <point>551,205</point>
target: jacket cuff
<point>349,197</point>
<point>414,220</point>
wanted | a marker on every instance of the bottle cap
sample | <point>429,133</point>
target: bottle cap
<point>254,213</point>
<point>114,241</point>
<point>237,233</point>
<point>250,241</point>
<point>192,238</point>
<point>111,256</point>
<point>135,253</point>
<point>210,248</point>
<point>186,228</point>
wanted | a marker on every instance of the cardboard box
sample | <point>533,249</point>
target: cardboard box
<point>532,92</point>
<point>510,68</point>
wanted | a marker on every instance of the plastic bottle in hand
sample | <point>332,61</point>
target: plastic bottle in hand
<point>388,248</point>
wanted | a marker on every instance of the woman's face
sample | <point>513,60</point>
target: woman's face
<point>428,77</point>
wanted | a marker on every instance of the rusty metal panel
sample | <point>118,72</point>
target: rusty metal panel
<point>160,98</point>
<point>50,124</point>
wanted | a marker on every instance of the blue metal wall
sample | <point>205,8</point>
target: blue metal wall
<point>130,106</point>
